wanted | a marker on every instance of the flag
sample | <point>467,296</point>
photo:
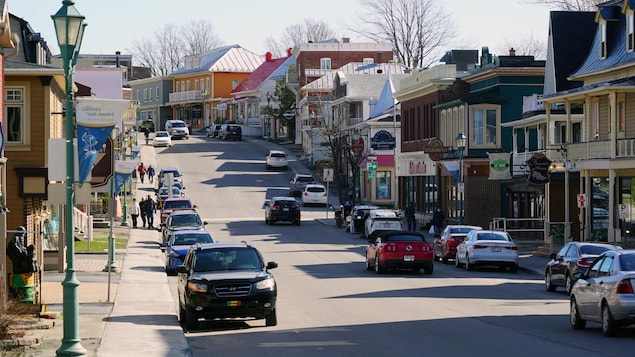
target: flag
<point>453,168</point>
<point>499,166</point>
<point>123,172</point>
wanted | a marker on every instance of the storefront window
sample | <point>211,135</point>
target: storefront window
<point>383,185</point>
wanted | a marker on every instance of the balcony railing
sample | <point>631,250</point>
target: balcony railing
<point>589,150</point>
<point>188,96</point>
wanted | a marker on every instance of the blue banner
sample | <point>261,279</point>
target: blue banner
<point>89,142</point>
<point>120,181</point>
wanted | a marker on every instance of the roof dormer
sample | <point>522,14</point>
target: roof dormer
<point>604,16</point>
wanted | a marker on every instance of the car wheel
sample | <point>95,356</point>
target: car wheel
<point>191,319</point>
<point>548,283</point>
<point>378,268</point>
<point>609,325</point>
<point>368,266</point>
<point>568,284</point>
<point>576,322</point>
<point>429,269</point>
<point>271,319</point>
<point>468,266</point>
<point>181,315</point>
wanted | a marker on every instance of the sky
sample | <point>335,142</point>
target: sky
<point>115,25</point>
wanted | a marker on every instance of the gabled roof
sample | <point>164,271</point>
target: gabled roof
<point>259,75</point>
<point>571,35</point>
<point>367,85</point>
<point>325,83</point>
<point>615,45</point>
<point>223,59</point>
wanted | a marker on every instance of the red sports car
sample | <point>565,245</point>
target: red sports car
<point>445,246</point>
<point>399,250</point>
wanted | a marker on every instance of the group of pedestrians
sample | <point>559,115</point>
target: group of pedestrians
<point>143,171</point>
<point>146,209</point>
<point>437,224</point>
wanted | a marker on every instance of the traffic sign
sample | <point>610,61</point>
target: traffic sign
<point>371,166</point>
<point>371,175</point>
<point>582,201</point>
<point>328,175</point>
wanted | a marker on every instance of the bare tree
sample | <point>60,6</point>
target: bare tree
<point>568,5</point>
<point>200,37</point>
<point>417,29</point>
<point>525,45</point>
<point>309,31</point>
<point>163,53</point>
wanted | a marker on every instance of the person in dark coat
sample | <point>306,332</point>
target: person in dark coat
<point>142,210</point>
<point>410,217</point>
<point>438,221</point>
<point>150,209</point>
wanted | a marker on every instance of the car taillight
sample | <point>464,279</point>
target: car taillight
<point>480,246</point>
<point>624,287</point>
<point>324,194</point>
<point>296,207</point>
<point>512,248</point>
<point>584,262</point>
<point>391,248</point>
<point>425,248</point>
<point>275,207</point>
<point>306,193</point>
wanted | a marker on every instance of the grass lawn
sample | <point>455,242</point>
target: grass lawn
<point>99,245</point>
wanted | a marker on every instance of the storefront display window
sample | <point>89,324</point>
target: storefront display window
<point>383,185</point>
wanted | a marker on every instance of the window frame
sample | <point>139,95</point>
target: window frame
<point>603,48</point>
<point>485,108</point>
<point>630,30</point>
<point>21,105</point>
<point>325,63</point>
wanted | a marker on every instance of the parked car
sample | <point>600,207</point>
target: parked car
<point>315,194</point>
<point>181,220</point>
<point>298,182</point>
<point>605,292</point>
<point>161,138</point>
<point>212,130</point>
<point>176,176</point>
<point>163,193</point>
<point>230,132</point>
<point>178,245</point>
<point>178,129</point>
<point>174,204</point>
<point>487,248</point>
<point>381,220</point>
<point>572,258</point>
<point>282,209</point>
<point>451,237</point>
<point>277,159</point>
<point>355,221</point>
<point>226,280</point>
<point>399,250</point>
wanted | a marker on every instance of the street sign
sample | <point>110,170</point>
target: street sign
<point>371,175</point>
<point>582,201</point>
<point>289,114</point>
<point>328,175</point>
<point>371,166</point>
<point>624,208</point>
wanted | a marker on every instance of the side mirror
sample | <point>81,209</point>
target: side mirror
<point>272,265</point>
<point>181,269</point>
<point>194,205</point>
<point>204,222</point>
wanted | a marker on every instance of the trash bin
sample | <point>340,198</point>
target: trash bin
<point>23,286</point>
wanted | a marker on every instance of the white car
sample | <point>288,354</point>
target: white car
<point>486,247</point>
<point>381,220</point>
<point>162,138</point>
<point>315,194</point>
<point>277,159</point>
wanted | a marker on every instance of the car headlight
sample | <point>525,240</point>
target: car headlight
<point>266,284</point>
<point>197,287</point>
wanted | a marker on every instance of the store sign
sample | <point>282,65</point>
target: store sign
<point>539,166</point>
<point>382,140</point>
<point>435,149</point>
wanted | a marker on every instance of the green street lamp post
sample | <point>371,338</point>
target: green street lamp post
<point>460,146</point>
<point>69,28</point>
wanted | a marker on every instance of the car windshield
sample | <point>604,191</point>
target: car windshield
<point>227,259</point>
<point>491,236</point>
<point>174,173</point>
<point>192,238</point>
<point>178,125</point>
<point>304,179</point>
<point>278,155</point>
<point>186,220</point>
<point>461,230</point>
<point>161,134</point>
<point>177,204</point>
<point>163,191</point>
<point>403,238</point>
<point>316,189</point>
<point>593,249</point>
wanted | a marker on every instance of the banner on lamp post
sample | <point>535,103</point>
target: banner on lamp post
<point>95,120</point>
<point>123,172</point>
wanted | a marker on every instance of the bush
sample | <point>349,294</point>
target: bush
<point>13,311</point>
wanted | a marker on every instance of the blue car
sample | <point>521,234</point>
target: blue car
<point>176,248</point>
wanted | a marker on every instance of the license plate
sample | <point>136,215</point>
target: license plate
<point>387,225</point>
<point>496,249</point>
<point>408,258</point>
<point>233,303</point>
<point>285,209</point>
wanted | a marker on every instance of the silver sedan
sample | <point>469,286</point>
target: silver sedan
<point>605,293</point>
<point>485,247</point>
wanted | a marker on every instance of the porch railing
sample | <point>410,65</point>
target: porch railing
<point>526,230</point>
<point>83,224</point>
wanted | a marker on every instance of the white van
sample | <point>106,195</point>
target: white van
<point>177,129</point>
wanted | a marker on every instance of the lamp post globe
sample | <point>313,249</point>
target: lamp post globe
<point>69,29</point>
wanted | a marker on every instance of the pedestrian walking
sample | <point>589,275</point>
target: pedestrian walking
<point>146,133</point>
<point>410,217</point>
<point>134,210</point>
<point>150,209</point>
<point>142,171</point>
<point>438,221</point>
<point>151,173</point>
<point>142,210</point>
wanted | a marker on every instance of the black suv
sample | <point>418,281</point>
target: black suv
<point>230,131</point>
<point>225,280</point>
<point>282,209</point>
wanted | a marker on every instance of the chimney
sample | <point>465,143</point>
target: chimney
<point>379,55</point>
<point>268,57</point>
<point>117,64</point>
<point>289,51</point>
<point>512,52</point>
